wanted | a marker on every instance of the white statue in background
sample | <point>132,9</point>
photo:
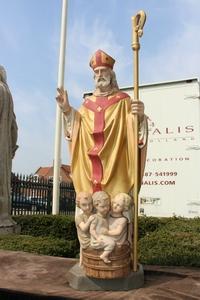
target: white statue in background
<point>8,146</point>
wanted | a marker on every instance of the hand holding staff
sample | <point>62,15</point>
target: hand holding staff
<point>138,22</point>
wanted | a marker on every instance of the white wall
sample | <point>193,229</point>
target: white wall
<point>171,184</point>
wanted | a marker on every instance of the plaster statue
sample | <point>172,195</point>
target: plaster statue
<point>109,229</point>
<point>99,226</point>
<point>103,230</point>
<point>101,140</point>
<point>84,219</point>
<point>101,133</point>
<point>8,146</point>
<point>118,223</point>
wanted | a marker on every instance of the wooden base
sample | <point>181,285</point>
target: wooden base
<point>79,281</point>
<point>119,267</point>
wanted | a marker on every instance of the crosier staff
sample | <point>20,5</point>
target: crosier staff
<point>138,22</point>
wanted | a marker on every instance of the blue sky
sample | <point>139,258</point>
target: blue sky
<point>30,37</point>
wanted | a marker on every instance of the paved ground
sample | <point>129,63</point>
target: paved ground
<point>27,276</point>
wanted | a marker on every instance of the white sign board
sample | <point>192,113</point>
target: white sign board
<point>171,182</point>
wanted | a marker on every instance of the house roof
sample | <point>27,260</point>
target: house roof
<point>43,171</point>
<point>67,168</point>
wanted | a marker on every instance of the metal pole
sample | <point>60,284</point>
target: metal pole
<point>58,129</point>
<point>138,22</point>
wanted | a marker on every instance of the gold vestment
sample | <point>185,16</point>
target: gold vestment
<point>103,141</point>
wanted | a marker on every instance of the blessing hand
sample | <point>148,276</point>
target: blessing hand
<point>62,100</point>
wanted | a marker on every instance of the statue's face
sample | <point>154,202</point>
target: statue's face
<point>85,205</point>
<point>117,205</point>
<point>102,77</point>
<point>103,208</point>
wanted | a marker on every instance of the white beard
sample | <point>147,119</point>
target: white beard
<point>102,83</point>
<point>103,86</point>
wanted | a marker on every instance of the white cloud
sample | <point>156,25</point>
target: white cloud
<point>177,58</point>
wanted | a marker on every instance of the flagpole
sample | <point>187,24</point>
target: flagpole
<point>138,22</point>
<point>58,128</point>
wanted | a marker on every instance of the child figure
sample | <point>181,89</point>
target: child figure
<point>118,223</point>
<point>99,225</point>
<point>83,220</point>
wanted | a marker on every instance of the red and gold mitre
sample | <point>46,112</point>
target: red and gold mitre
<point>101,59</point>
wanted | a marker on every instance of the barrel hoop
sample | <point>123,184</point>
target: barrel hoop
<point>112,258</point>
<point>103,268</point>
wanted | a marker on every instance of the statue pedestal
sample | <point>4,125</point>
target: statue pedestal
<point>10,229</point>
<point>79,281</point>
<point>8,225</point>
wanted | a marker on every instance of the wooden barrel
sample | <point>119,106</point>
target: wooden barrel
<point>96,268</point>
